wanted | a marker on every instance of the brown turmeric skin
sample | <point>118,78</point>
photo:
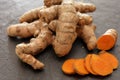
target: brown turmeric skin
<point>31,15</point>
<point>28,29</point>
<point>80,6</point>
<point>65,30</point>
<point>49,13</point>
<point>29,59</point>
<point>49,3</point>
<point>36,45</point>
<point>86,33</point>
<point>65,27</point>
<point>84,19</point>
<point>42,13</point>
<point>63,19</point>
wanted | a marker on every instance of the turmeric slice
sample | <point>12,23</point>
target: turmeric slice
<point>109,57</point>
<point>88,64</point>
<point>79,67</point>
<point>100,66</point>
<point>107,40</point>
<point>67,66</point>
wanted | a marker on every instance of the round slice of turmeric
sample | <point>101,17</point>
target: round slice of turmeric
<point>67,66</point>
<point>79,67</point>
<point>109,57</point>
<point>100,66</point>
<point>88,64</point>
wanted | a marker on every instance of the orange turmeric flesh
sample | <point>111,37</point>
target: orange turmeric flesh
<point>88,64</point>
<point>79,67</point>
<point>109,57</point>
<point>100,66</point>
<point>105,42</point>
<point>67,66</point>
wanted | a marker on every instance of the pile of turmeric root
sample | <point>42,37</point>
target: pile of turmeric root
<point>58,23</point>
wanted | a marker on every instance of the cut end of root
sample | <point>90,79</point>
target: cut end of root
<point>105,42</point>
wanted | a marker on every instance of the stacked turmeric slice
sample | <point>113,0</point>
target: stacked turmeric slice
<point>101,64</point>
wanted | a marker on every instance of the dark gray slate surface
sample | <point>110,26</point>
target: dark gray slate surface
<point>106,16</point>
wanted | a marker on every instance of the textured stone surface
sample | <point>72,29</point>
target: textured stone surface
<point>106,16</point>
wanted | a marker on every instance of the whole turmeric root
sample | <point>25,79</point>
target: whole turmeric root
<point>24,30</point>
<point>26,51</point>
<point>86,33</point>
<point>29,59</point>
<point>43,13</point>
<point>31,15</point>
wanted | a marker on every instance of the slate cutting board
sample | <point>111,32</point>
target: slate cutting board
<point>106,16</point>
